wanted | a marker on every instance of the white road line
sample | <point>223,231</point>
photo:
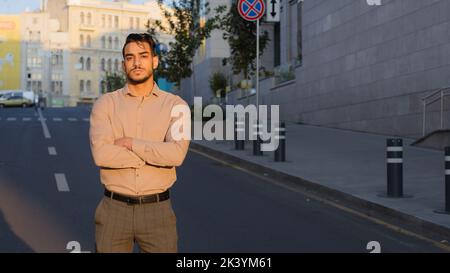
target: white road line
<point>61,182</point>
<point>11,119</point>
<point>57,119</point>
<point>72,119</point>
<point>51,150</point>
<point>26,119</point>
<point>44,125</point>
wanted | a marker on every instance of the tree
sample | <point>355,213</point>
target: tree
<point>241,37</point>
<point>114,81</point>
<point>218,83</point>
<point>189,31</point>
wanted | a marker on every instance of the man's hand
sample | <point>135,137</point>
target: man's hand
<point>126,142</point>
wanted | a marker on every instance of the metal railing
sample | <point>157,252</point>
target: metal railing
<point>437,95</point>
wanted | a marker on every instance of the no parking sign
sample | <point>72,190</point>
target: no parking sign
<point>251,10</point>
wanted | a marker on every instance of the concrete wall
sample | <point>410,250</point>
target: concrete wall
<point>365,68</point>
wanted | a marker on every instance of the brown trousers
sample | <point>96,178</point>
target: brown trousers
<point>152,226</point>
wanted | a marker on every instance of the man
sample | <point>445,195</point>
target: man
<point>132,141</point>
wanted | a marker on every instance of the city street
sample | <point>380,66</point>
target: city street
<point>49,189</point>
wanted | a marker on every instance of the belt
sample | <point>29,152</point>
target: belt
<point>159,197</point>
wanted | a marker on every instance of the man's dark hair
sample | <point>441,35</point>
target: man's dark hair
<point>142,38</point>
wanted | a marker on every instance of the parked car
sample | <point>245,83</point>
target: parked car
<point>16,99</point>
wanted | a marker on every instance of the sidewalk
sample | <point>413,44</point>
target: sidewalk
<point>354,165</point>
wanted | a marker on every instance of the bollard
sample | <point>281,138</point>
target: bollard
<point>447,183</point>
<point>394,156</point>
<point>447,179</point>
<point>280,152</point>
<point>257,142</point>
<point>238,127</point>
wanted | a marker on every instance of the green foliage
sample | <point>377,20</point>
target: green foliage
<point>183,22</point>
<point>114,81</point>
<point>241,37</point>
<point>218,82</point>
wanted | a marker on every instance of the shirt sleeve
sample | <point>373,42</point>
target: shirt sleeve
<point>104,152</point>
<point>172,151</point>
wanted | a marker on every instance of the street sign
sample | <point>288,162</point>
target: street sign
<point>251,10</point>
<point>273,11</point>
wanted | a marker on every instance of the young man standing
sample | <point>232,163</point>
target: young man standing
<point>133,143</point>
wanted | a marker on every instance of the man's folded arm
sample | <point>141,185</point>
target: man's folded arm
<point>172,151</point>
<point>104,152</point>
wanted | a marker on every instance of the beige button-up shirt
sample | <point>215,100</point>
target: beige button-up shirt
<point>150,166</point>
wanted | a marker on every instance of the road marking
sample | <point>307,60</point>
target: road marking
<point>86,119</point>
<point>44,125</point>
<point>61,182</point>
<point>330,203</point>
<point>51,150</point>
<point>11,119</point>
<point>57,119</point>
<point>26,119</point>
<point>72,119</point>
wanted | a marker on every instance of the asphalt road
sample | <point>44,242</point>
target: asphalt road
<point>219,208</point>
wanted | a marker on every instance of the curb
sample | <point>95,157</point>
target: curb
<point>394,217</point>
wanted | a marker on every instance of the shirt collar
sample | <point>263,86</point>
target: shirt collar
<point>155,91</point>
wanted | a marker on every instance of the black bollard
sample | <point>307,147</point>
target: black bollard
<point>447,183</point>
<point>447,179</point>
<point>394,156</point>
<point>257,142</point>
<point>238,127</point>
<point>280,152</point>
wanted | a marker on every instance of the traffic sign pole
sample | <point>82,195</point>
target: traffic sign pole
<point>257,67</point>
<point>253,10</point>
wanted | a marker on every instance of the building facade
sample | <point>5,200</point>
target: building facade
<point>69,46</point>
<point>350,65</point>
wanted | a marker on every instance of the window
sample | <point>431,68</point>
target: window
<point>82,18</point>
<point>276,45</point>
<point>110,42</point>
<point>102,86</point>
<point>35,20</point>
<point>109,65</point>
<point>103,20</point>
<point>81,85</point>
<point>138,23</point>
<point>299,31</point>
<point>103,42</point>
<point>88,64</point>
<point>116,21</point>
<point>131,22</point>
<point>116,65</point>
<point>82,63</point>
<point>110,21</point>
<point>89,19</point>
<point>81,40</point>
<point>88,41</point>
<point>88,86</point>
<point>116,43</point>
<point>103,68</point>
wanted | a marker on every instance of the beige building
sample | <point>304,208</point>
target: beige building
<point>72,44</point>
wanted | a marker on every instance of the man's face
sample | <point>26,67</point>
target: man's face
<point>139,62</point>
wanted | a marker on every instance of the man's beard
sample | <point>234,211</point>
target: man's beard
<point>134,82</point>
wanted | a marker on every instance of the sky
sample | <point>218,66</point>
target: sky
<point>17,6</point>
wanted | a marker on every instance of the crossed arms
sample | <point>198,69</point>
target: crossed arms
<point>129,152</point>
